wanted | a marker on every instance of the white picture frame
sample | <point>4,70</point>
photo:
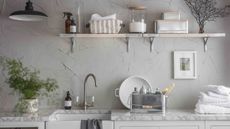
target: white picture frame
<point>185,64</point>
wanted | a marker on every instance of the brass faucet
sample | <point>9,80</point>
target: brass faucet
<point>86,78</point>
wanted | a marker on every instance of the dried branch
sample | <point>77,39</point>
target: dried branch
<point>206,10</point>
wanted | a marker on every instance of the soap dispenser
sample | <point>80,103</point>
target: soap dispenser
<point>73,27</point>
<point>68,101</point>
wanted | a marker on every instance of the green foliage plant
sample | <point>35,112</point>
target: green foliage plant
<point>26,81</point>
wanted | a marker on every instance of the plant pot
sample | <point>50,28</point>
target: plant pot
<point>31,105</point>
<point>201,29</point>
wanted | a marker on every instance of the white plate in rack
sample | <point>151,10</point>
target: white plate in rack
<point>127,87</point>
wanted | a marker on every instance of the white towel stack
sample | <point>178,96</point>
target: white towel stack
<point>216,100</point>
<point>105,25</point>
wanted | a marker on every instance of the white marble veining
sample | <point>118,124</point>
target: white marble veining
<point>40,116</point>
<point>76,111</point>
<point>116,115</point>
<point>76,115</point>
<point>171,115</point>
<point>39,46</point>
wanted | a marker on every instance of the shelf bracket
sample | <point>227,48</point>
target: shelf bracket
<point>73,43</point>
<point>127,43</point>
<point>205,40</point>
<point>151,39</point>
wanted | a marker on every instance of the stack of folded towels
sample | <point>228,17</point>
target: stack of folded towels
<point>216,100</point>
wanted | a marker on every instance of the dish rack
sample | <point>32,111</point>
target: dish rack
<point>149,102</point>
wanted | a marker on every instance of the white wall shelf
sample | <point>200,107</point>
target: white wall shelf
<point>204,36</point>
<point>126,36</point>
<point>151,36</point>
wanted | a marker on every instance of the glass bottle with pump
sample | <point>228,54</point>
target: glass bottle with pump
<point>68,101</point>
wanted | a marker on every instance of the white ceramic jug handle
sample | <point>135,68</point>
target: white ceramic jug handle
<point>117,92</point>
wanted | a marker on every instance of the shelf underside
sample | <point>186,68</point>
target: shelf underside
<point>151,36</point>
<point>130,35</point>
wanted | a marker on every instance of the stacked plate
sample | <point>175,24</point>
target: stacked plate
<point>127,87</point>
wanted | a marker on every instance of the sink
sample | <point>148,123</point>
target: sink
<point>71,119</point>
<point>76,115</point>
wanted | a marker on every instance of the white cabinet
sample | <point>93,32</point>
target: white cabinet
<point>181,127</point>
<point>218,125</point>
<point>63,125</point>
<point>74,125</point>
<point>141,127</point>
<point>27,125</point>
<point>159,125</point>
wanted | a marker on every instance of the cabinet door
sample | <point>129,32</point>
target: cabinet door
<point>218,125</point>
<point>140,127</point>
<point>63,125</point>
<point>29,125</point>
<point>74,125</point>
<point>181,127</point>
<point>159,125</point>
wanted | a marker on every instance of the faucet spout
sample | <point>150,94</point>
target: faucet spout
<point>95,83</point>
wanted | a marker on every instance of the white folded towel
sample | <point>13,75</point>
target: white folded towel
<point>213,94</point>
<point>204,98</point>
<point>96,17</point>
<point>206,109</point>
<point>222,90</point>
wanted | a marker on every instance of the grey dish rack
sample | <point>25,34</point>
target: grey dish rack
<point>149,102</point>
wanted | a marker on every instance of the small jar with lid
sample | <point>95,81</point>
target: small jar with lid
<point>137,22</point>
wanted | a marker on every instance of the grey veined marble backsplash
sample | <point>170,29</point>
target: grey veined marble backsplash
<point>38,45</point>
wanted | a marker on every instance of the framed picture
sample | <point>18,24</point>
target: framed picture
<point>185,64</point>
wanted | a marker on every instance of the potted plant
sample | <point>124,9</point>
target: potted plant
<point>205,11</point>
<point>27,83</point>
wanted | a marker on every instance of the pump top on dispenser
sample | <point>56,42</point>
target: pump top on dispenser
<point>67,21</point>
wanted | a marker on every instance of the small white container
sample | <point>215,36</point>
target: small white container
<point>137,27</point>
<point>171,26</point>
<point>137,21</point>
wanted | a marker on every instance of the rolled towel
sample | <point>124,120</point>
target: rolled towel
<point>213,94</point>
<point>222,90</point>
<point>221,104</point>
<point>210,109</point>
<point>105,26</point>
<point>204,98</point>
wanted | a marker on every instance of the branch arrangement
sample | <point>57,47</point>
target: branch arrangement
<point>206,10</point>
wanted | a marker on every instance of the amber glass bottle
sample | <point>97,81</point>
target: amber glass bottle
<point>68,101</point>
<point>67,21</point>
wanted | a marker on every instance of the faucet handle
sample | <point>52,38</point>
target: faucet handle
<point>90,101</point>
<point>77,101</point>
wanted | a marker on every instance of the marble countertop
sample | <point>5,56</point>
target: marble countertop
<point>170,115</point>
<point>116,115</point>
<point>40,116</point>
